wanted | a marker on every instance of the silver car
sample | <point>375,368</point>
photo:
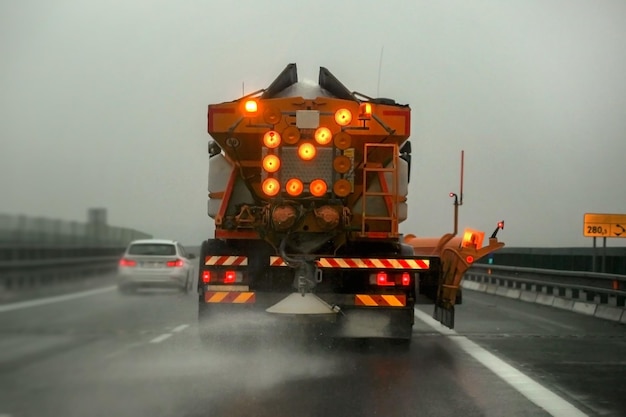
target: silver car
<point>155,263</point>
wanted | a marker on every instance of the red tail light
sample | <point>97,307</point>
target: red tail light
<point>381,279</point>
<point>175,264</point>
<point>406,279</point>
<point>230,277</point>
<point>206,276</point>
<point>127,262</point>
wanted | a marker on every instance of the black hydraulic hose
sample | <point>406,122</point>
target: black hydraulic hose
<point>292,262</point>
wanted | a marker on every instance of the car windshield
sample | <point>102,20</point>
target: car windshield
<point>156,249</point>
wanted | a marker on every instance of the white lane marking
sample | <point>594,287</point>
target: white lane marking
<point>161,338</point>
<point>535,392</point>
<point>50,300</point>
<point>180,328</point>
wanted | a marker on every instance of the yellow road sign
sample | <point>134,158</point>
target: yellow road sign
<point>604,225</point>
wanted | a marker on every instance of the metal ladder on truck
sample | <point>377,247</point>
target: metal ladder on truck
<point>373,171</point>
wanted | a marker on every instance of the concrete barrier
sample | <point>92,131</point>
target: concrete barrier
<point>609,313</point>
<point>563,303</point>
<point>584,308</point>
<point>528,296</point>
<point>560,289</point>
<point>545,299</point>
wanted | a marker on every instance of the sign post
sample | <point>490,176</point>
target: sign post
<point>603,225</point>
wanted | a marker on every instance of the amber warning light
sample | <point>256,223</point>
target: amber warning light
<point>271,163</point>
<point>318,187</point>
<point>251,106</point>
<point>271,187</point>
<point>294,187</point>
<point>472,239</point>
<point>271,139</point>
<point>365,111</point>
<point>343,117</point>
<point>306,151</point>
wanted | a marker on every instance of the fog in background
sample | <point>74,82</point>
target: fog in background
<point>103,104</point>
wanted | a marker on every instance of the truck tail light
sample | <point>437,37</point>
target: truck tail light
<point>386,279</point>
<point>127,262</point>
<point>206,276</point>
<point>382,279</point>
<point>230,277</point>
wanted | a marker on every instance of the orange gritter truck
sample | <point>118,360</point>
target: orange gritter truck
<point>307,187</point>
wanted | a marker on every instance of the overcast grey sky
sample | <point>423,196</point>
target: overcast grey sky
<point>104,103</point>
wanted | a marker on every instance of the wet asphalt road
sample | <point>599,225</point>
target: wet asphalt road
<point>107,354</point>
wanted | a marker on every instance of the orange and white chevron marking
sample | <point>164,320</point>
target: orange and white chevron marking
<point>381,263</point>
<point>226,261</point>
<point>380,300</point>
<point>277,261</point>
<point>229,297</point>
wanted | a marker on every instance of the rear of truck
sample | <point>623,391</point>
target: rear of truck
<point>308,185</point>
<point>307,188</point>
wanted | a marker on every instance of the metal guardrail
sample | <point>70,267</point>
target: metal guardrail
<point>22,274</point>
<point>20,229</point>
<point>37,251</point>
<point>574,286</point>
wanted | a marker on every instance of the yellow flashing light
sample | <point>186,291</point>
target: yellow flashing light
<point>271,163</point>
<point>271,187</point>
<point>294,187</point>
<point>472,239</point>
<point>307,151</point>
<point>365,111</point>
<point>318,187</point>
<point>251,106</point>
<point>271,139</point>
<point>323,135</point>
<point>343,117</point>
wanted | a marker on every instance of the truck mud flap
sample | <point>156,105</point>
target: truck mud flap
<point>444,315</point>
